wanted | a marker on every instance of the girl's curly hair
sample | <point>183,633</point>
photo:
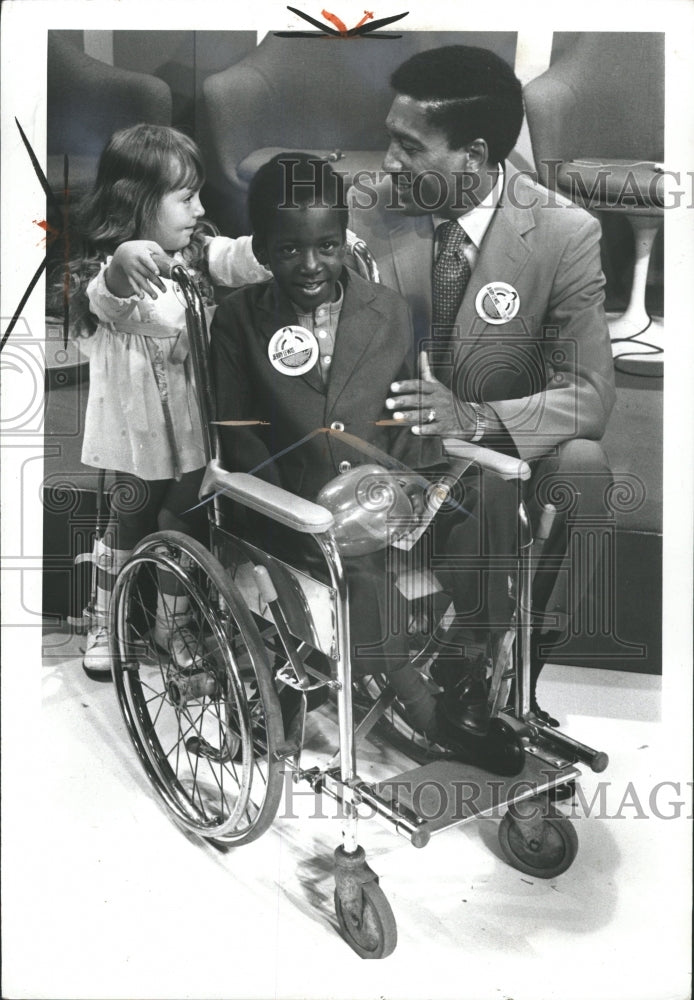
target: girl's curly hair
<point>137,168</point>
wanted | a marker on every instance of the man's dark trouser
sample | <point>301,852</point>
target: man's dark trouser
<point>576,480</point>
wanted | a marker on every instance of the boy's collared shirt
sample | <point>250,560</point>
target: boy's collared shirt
<point>323,323</point>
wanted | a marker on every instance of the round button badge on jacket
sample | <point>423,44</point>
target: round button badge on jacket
<point>293,350</point>
<point>497,302</point>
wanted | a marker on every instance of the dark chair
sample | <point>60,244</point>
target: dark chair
<point>596,125</point>
<point>317,94</point>
<point>87,101</point>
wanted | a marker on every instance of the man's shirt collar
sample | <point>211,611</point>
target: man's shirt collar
<point>477,220</point>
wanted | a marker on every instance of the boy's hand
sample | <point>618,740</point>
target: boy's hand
<point>429,407</point>
<point>133,270</point>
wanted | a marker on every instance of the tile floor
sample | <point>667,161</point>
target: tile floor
<point>105,898</point>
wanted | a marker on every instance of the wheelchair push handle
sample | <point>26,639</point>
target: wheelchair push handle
<point>265,585</point>
<point>544,528</point>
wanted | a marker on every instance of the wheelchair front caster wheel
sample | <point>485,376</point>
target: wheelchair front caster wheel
<point>368,925</point>
<point>545,849</point>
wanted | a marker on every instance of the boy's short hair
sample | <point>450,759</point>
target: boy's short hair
<point>294,180</point>
<point>474,94</point>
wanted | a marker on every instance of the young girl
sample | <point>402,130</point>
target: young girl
<point>142,418</point>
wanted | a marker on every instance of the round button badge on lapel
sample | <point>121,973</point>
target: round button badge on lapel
<point>293,350</point>
<point>497,302</point>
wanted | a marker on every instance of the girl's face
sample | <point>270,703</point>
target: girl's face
<point>176,218</point>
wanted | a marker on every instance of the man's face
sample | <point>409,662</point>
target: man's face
<point>426,172</point>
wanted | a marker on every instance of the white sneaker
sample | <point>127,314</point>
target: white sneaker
<point>180,642</point>
<point>97,656</point>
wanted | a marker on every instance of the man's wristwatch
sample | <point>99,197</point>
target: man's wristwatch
<point>480,423</point>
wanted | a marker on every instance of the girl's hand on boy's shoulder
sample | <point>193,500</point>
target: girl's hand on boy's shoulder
<point>134,271</point>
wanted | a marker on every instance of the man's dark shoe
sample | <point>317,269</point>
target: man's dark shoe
<point>537,662</point>
<point>544,717</point>
<point>536,665</point>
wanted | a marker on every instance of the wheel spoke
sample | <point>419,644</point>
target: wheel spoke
<point>163,701</point>
<point>192,726</point>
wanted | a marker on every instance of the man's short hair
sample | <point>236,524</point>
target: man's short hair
<point>474,95</point>
<point>293,180</point>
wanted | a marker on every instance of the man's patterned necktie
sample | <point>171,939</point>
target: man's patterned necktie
<point>451,273</point>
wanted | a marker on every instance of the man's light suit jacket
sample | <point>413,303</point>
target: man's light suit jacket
<point>548,372</point>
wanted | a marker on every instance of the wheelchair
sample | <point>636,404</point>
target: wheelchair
<point>211,736</point>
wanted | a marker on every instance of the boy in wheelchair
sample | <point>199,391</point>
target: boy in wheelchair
<point>316,350</point>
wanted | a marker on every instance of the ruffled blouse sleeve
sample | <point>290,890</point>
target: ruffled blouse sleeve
<point>232,263</point>
<point>103,304</point>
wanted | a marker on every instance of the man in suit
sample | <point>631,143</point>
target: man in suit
<point>506,290</point>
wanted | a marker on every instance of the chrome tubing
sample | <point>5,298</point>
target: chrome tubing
<point>405,822</point>
<point>364,260</point>
<point>525,543</point>
<point>596,760</point>
<point>345,716</point>
<point>196,324</point>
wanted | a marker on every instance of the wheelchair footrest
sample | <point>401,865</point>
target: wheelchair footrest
<point>447,793</point>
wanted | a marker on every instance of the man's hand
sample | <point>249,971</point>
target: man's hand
<point>133,270</point>
<point>429,407</point>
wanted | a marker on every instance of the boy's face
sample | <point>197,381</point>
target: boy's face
<point>305,252</point>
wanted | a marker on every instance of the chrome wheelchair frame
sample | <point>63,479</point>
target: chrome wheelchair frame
<point>211,737</point>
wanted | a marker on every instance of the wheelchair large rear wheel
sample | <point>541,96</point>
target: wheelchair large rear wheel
<point>206,731</point>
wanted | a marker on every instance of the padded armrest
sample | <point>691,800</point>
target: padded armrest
<point>503,465</point>
<point>292,511</point>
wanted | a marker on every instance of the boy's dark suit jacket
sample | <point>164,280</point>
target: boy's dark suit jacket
<point>373,347</point>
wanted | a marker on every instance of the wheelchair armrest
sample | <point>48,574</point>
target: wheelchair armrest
<point>503,465</point>
<point>292,511</point>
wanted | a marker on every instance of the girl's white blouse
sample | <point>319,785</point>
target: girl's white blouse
<point>135,378</point>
